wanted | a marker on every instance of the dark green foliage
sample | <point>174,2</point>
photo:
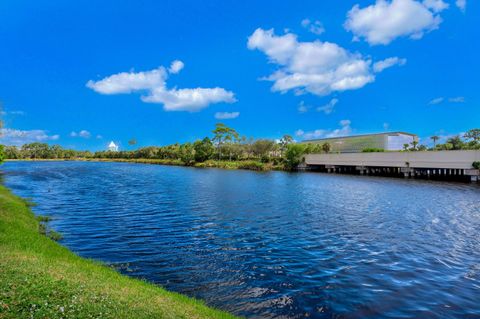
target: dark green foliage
<point>53,235</point>
<point>326,147</point>
<point>373,150</point>
<point>204,150</point>
<point>293,155</point>
<point>476,165</point>
<point>43,219</point>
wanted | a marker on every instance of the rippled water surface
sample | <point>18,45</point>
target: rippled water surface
<point>271,245</point>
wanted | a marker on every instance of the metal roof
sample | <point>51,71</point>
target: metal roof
<point>360,135</point>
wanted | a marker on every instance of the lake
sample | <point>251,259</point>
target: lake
<point>271,244</point>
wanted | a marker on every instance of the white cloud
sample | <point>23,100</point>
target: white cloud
<point>461,4</point>
<point>153,84</point>
<point>176,67</point>
<point>128,82</point>
<point>386,126</point>
<point>316,67</point>
<point>385,21</point>
<point>302,108</point>
<point>99,137</point>
<point>435,5</point>
<point>329,107</point>
<point>299,132</point>
<point>21,113</point>
<point>458,99</point>
<point>437,100</point>
<point>344,130</point>
<point>226,115</point>
<point>82,133</point>
<point>388,63</point>
<point>315,27</point>
<point>19,137</point>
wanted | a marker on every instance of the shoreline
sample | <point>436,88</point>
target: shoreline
<point>41,278</point>
<point>252,165</point>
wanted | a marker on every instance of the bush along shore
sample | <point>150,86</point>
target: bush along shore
<point>39,278</point>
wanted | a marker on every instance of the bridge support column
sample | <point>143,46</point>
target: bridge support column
<point>474,174</point>
<point>361,169</point>
<point>406,171</point>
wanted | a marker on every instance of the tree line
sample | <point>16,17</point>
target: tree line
<point>225,144</point>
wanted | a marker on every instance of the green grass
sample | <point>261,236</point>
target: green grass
<point>42,279</point>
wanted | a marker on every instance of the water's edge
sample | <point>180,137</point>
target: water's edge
<point>64,260</point>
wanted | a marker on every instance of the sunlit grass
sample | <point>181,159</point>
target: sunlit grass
<point>42,279</point>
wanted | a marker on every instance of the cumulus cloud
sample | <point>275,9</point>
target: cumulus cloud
<point>388,63</point>
<point>153,85</point>
<point>176,67</point>
<point>344,130</point>
<point>329,107</point>
<point>15,137</point>
<point>226,115</point>
<point>82,133</point>
<point>315,27</point>
<point>128,82</point>
<point>461,4</point>
<point>316,67</point>
<point>436,5</point>
<point>384,21</point>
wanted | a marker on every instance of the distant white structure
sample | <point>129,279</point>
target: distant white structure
<point>112,147</point>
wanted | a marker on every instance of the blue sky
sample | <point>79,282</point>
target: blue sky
<point>85,73</point>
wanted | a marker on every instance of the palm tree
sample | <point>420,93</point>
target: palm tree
<point>414,145</point>
<point>435,138</point>
<point>405,146</point>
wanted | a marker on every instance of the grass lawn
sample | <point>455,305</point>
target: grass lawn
<point>42,279</point>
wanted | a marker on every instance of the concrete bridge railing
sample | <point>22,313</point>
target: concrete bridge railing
<point>429,159</point>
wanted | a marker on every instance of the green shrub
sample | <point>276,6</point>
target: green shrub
<point>252,165</point>
<point>476,165</point>
<point>44,219</point>
<point>373,150</point>
<point>53,235</point>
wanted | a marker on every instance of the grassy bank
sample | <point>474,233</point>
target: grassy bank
<point>254,165</point>
<point>42,279</point>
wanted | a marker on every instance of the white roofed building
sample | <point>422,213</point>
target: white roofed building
<point>112,147</point>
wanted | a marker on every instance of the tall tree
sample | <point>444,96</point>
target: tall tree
<point>203,149</point>
<point>456,141</point>
<point>284,141</point>
<point>473,134</point>
<point>414,145</point>
<point>434,138</point>
<point>326,147</point>
<point>223,134</point>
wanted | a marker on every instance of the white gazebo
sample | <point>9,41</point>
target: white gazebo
<point>112,147</point>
